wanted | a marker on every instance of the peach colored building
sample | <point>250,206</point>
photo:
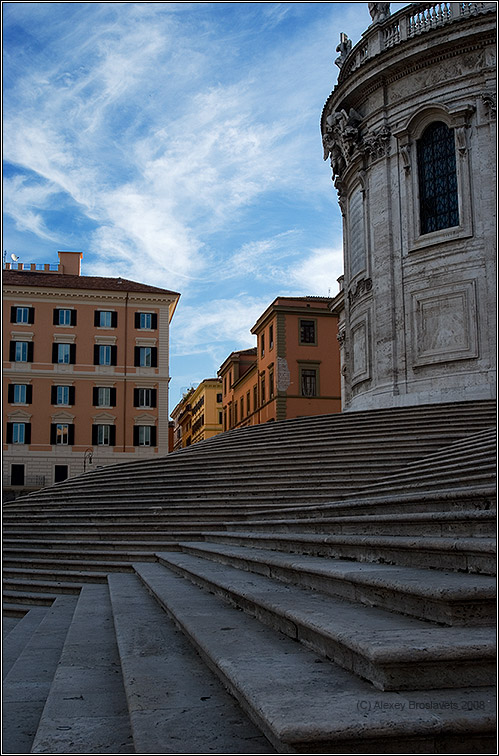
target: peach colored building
<point>198,415</point>
<point>294,370</point>
<point>86,371</point>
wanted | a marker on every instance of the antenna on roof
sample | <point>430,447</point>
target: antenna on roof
<point>14,257</point>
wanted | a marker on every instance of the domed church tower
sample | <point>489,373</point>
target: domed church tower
<point>410,133</point>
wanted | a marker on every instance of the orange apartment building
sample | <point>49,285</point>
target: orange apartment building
<point>294,370</point>
<point>198,415</point>
<point>86,371</point>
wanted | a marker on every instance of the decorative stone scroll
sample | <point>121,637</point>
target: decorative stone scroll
<point>363,286</point>
<point>489,100</point>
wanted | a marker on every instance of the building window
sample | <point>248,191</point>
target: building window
<point>21,351</point>
<point>22,315</point>
<point>62,434</point>
<point>105,319</point>
<point>219,398</point>
<point>262,386</point>
<point>18,433</point>
<point>309,382</point>
<point>255,398</point>
<point>271,384</point>
<point>19,393</point>
<point>235,412</point>
<point>242,407</point>
<point>220,418</point>
<point>104,396</point>
<point>144,397</point>
<point>225,384</point>
<point>64,317</point>
<point>64,354</point>
<point>103,435</point>
<point>60,473</point>
<point>105,354</point>
<point>144,435</point>
<point>147,321</point>
<point>62,395</point>
<point>146,357</point>
<point>438,200</point>
<point>262,345</point>
<point>271,337</point>
<point>307,332</point>
<point>248,406</point>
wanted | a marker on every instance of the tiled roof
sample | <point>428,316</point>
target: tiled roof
<point>63,281</point>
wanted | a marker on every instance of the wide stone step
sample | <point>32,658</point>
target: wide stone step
<point>67,555</point>
<point>28,682</point>
<point>335,711</point>
<point>24,600</point>
<point>53,575</point>
<point>176,704</point>
<point>112,546</point>
<point>86,711</point>
<point>48,587</point>
<point>460,554</point>
<point>19,636</point>
<point>8,624</point>
<point>12,567</point>
<point>445,597</point>
<point>392,651</point>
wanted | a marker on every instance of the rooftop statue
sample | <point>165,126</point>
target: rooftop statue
<point>379,11</point>
<point>343,48</point>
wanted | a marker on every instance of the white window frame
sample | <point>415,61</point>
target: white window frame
<point>145,356</point>
<point>145,398</point>
<point>18,389</point>
<point>108,316</point>
<point>144,435</point>
<point>100,392</point>
<point>21,354</point>
<point>64,317</point>
<point>64,353</point>
<point>105,354</point>
<point>62,434</point>
<point>18,433</point>
<point>103,435</point>
<point>145,321</point>
<point>22,315</point>
<point>61,392</point>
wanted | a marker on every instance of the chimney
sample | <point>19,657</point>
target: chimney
<point>70,263</point>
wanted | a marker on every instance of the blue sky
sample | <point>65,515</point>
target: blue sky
<point>177,144</point>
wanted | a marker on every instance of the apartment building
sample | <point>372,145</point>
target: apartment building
<point>198,415</point>
<point>86,371</point>
<point>294,370</point>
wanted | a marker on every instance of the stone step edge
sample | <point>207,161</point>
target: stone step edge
<point>331,715</point>
<point>411,663</point>
<point>19,636</point>
<point>388,588</point>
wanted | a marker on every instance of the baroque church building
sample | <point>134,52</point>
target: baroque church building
<point>410,133</point>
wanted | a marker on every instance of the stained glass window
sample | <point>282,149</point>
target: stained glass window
<point>438,202</point>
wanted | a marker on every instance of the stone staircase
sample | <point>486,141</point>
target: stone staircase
<point>318,585</point>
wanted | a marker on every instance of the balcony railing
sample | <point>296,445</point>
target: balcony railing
<point>407,23</point>
<point>30,481</point>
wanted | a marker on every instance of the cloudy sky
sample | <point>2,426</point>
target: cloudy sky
<point>177,144</point>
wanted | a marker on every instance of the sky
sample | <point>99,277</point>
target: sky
<point>177,144</point>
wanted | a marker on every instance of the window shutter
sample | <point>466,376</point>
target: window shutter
<point>94,435</point>
<point>29,394</point>
<point>27,433</point>
<point>12,351</point>
<point>153,397</point>
<point>72,394</point>
<point>113,397</point>
<point>112,435</point>
<point>72,354</point>
<point>31,315</point>
<point>114,320</point>
<point>135,435</point>
<point>53,395</point>
<point>71,434</point>
<point>96,354</point>
<point>10,393</point>
<point>136,361</point>
<point>136,397</point>
<point>54,352</point>
<point>137,319</point>
<point>9,433</point>
<point>154,319</point>
<point>73,317</point>
<point>153,435</point>
<point>154,357</point>
<point>96,317</point>
<point>53,433</point>
<point>13,314</point>
<point>55,318</point>
<point>114,354</point>
<point>95,396</point>
<point>30,351</point>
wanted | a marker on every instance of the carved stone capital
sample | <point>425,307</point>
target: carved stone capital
<point>377,144</point>
<point>489,100</point>
<point>363,287</point>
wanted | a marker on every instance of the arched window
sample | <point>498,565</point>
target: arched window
<point>438,202</point>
